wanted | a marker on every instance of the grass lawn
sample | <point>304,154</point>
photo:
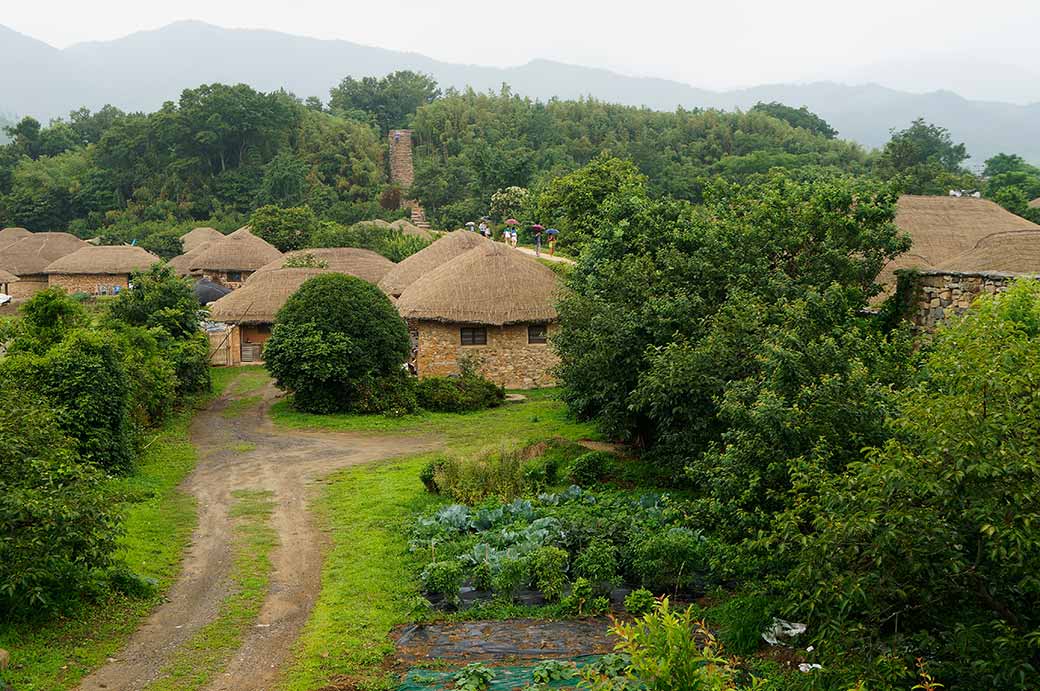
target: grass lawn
<point>367,583</point>
<point>238,381</point>
<point>159,522</point>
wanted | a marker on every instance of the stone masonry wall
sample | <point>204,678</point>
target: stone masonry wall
<point>507,359</point>
<point>402,170</point>
<point>938,295</point>
<point>91,284</point>
<point>27,286</point>
<point>221,277</point>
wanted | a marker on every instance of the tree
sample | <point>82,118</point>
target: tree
<point>47,318</point>
<point>925,159</point>
<point>510,202</point>
<point>930,545</point>
<point>797,117</point>
<point>284,182</point>
<point>58,528</point>
<point>392,99</point>
<point>336,337</point>
<point>159,300</point>
<point>287,229</point>
<point>573,203</point>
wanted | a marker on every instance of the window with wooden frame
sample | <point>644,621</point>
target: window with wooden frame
<point>473,335</point>
<point>235,276</point>
<point>538,334</point>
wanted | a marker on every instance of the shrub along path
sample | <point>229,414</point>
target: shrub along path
<point>239,451</point>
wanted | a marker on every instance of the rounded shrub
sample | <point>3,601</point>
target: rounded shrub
<point>443,578</point>
<point>333,340</point>
<point>639,602</point>
<point>589,468</point>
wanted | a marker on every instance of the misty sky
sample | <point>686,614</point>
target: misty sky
<point>913,44</point>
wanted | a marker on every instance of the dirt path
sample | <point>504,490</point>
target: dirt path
<point>286,464</point>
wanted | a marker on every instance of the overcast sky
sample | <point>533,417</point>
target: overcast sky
<point>720,44</point>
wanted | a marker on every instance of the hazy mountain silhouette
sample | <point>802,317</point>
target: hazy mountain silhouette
<point>141,71</point>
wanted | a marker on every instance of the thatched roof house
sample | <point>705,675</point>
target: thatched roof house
<point>251,311</point>
<point>29,257</point>
<point>181,264</point>
<point>493,305</point>
<point>365,264</point>
<point>230,260</point>
<point>199,236</point>
<point>1012,252</point>
<point>442,250</point>
<point>941,228</point>
<point>9,235</point>
<point>98,270</point>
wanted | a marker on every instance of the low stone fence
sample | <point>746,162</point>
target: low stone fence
<point>933,295</point>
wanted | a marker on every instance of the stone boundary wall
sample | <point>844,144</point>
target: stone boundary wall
<point>27,286</point>
<point>938,295</point>
<point>91,284</point>
<point>507,359</point>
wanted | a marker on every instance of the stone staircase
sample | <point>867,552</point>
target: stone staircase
<point>418,215</point>
<point>402,171</point>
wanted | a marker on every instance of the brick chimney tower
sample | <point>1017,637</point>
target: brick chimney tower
<point>401,170</point>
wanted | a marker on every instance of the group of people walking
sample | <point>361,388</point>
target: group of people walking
<point>511,235</point>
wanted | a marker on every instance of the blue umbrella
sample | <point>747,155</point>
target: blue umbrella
<point>552,231</point>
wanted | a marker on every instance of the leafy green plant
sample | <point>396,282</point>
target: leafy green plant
<point>583,601</point>
<point>589,468</point>
<point>598,563</point>
<point>670,560</point>
<point>482,577</point>
<point>473,677</point>
<point>548,671</point>
<point>513,575</point>
<point>428,475</point>
<point>443,578</point>
<point>640,602</point>
<point>741,620</point>
<point>549,565</point>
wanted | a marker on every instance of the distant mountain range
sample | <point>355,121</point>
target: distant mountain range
<point>141,71</point>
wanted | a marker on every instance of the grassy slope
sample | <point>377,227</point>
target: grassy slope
<point>367,587</point>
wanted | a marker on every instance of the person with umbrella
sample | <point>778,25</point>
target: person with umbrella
<point>537,229</point>
<point>470,226</point>
<point>552,233</point>
<point>511,235</point>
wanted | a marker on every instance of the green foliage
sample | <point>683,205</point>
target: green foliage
<point>159,299</point>
<point>741,620</point>
<point>797,117</point>
<point>387,241</point>
<point>639,602</point>
<point>152,379</point>
<point>924,160</point>
<point>511,202</point>
<point>468,392</point>
<point>548,671</point>
<point>671,651</point>
<point>390,101</point>
<point>929,545</point>
<point>549,566</point>
<point>83,378</point>
<point>305,261</point>
<point>57,526</point>
<point>334,336</point>
<point>598,563</point>
<point>473,677</point>
<point>589,468</point>
<point>190,360</point>
<point>287,229</point>
<point>513,576</point>
<point>671,560</point>
<point>443,578</point>
<point>497,474</point>
<point>583,601</point>
<point>393,395</point>
<point>428,475</point>
<point>47,318</point>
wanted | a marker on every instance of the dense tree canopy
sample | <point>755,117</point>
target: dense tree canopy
<point>390,101</point>
<point>797,117</point>
<point>925,160</point>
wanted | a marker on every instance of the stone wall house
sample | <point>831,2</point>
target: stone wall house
<point>6,280</point>
<point>491,305</point>
<point>98,270</point>
<point>233,259</point>
<point>28,257</point>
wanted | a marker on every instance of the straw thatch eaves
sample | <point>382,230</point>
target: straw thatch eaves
<point>491,284</point>
<point>31,255</point>
<point>354,261</point>
<point>181,264</point>
<point>258,301</point>
<point>1014,252</point>
<point>239,251</point>
<point>10,235</point>
<point>425,260</point>
<point>408,228</point>
<point>199,236</point>
<point>7,277</point>
<point>106,259</point>
<point>941,228</point>
<point>1035,204</point>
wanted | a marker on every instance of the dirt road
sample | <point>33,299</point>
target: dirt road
<point>287,464</point>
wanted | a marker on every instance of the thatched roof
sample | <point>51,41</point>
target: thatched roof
<point>239,251</point>
<point>32,254</point>
<point>9,235</point>
<point>1035,204</point>
<point>181,264</point>
<point>408,228</point>
<point>425,260</point>
<point>258,301</point>
<point>491,284</point>
<point>199,236</point>
<point>1014,252</point>
<point>365,264</point>
<point>7,277</point>
<point>106,259</point>
<point>942,228</point>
